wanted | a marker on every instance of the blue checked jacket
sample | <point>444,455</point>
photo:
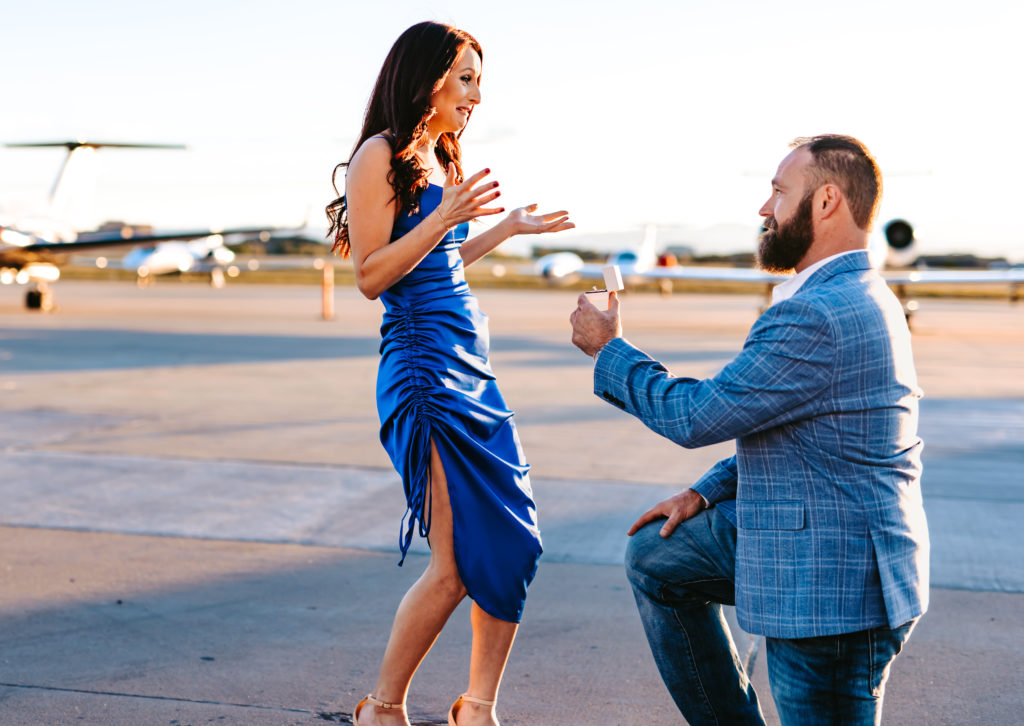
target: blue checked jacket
<point>823,403</point>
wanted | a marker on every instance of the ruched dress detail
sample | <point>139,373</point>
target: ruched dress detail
<point>435,383</point>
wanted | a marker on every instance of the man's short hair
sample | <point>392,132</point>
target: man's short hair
<point>847,163</point>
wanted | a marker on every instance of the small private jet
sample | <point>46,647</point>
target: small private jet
<point>32,249</point>
<point>891,251</point>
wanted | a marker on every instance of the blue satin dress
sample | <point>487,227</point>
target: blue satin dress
<point>435,383</point>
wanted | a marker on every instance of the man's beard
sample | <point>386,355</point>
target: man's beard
<point>782,246</point>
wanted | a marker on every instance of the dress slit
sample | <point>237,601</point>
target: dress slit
<point>417,492</point>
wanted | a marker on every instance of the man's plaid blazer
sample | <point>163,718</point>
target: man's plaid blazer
<point>823,404</point>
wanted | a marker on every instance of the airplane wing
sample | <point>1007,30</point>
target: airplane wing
<point>72,145</point>
<point>893,277</point>
<point>18,249</point>
<point>902,278</point>
<point>562,265</point>
<point>954,277</point>
<point>725,274</point>
<point>569,266</point>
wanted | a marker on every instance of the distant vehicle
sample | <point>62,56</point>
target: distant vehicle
<point>33,249</point>
<point>896,246</point>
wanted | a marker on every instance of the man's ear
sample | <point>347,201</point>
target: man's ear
<point>827,200</point>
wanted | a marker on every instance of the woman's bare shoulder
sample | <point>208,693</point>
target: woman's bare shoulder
<point>374,149</point>
<point>371,161</point>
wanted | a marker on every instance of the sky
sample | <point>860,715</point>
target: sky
<point>673,113</point>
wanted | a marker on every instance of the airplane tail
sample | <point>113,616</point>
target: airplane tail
<point>74,187</point>
<point>648,252</point>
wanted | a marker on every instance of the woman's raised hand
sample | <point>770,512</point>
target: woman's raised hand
<point>463,202</point>
<point>523,221</point>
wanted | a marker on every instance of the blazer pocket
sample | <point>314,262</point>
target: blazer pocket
<point>770,514</point>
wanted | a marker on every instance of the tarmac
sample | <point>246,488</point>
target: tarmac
<point>198,524</point>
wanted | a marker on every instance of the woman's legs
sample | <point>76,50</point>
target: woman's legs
<point>423,611</point>
<point>422,614</point>
<point>492,641</point>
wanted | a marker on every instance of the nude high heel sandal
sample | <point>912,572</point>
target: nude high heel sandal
<point>465,697</point>
<point>376,702</point>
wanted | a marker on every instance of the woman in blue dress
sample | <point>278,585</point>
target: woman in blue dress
<point>404,221</point>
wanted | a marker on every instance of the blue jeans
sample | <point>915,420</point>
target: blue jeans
<point>680,584</point>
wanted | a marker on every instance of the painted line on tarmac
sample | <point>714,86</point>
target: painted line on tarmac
<point>328,716</point>
<point>86,691</point>
<point>974,542</point>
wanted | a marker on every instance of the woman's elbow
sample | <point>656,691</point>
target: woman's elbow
<point>367,288</point>
<point>370,293</point>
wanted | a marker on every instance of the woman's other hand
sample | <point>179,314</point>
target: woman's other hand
<point>524,221</point>
<point>463,202</point>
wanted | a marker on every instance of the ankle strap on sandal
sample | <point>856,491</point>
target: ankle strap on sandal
<point>478,701</point>
<point>370,698</point>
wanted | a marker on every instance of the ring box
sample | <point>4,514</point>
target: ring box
<point>612,279</point>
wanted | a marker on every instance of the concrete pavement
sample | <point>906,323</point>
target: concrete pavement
<point>199,524</point>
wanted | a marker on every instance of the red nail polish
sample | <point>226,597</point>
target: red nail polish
<point>497,194</point>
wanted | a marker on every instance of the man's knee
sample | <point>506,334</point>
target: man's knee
<point>692,553</point>
<point>642,553</point>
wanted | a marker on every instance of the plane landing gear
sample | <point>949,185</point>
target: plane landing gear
<point>909,306</point>
<point>39,298</point>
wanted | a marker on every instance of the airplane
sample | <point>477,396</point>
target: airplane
<point>205,254</point>
<point>33,249</point>
<point>895,247</point>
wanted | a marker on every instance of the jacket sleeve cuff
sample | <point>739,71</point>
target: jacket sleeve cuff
<point>718,483</point>
<point>608,379</point>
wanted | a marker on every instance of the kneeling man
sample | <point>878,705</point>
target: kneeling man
<point>815,528</point>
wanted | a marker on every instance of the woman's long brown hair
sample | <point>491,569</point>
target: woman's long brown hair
<point>415,69</point>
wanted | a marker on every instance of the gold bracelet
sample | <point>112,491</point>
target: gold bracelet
<point>444,223</point>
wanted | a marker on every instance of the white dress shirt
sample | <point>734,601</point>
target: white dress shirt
<point>787,289</point>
